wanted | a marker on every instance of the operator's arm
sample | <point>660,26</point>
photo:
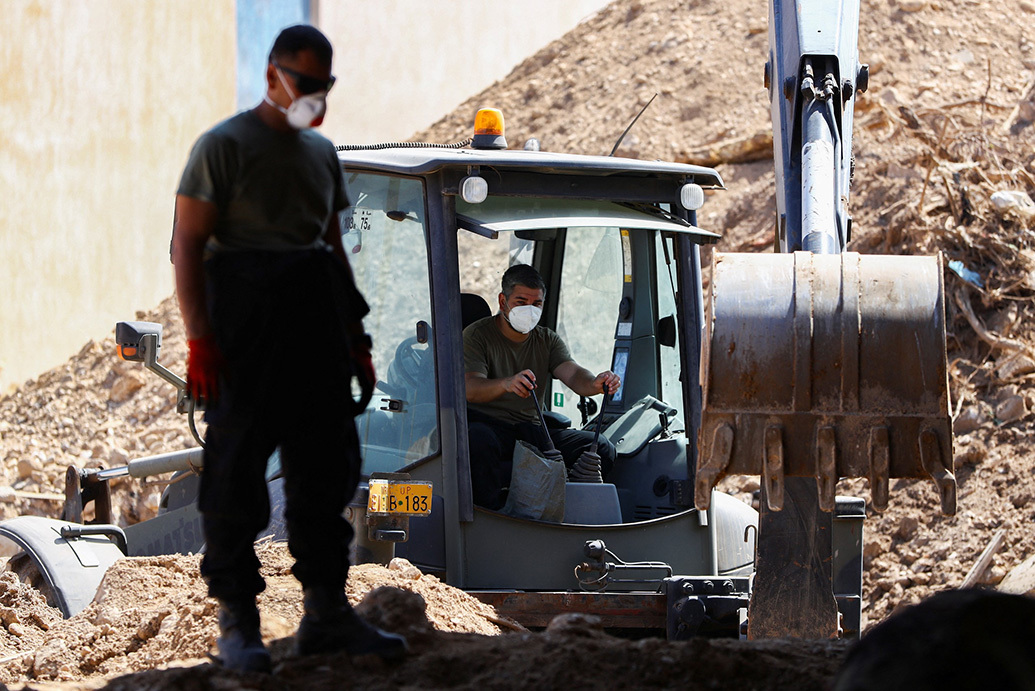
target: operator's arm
<point>195,223</point>
<point>481,389</point>
<point>583,382</point>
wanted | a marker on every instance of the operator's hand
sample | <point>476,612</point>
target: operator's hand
<point>364,364</point>
<point>521,384</point>
<point>607,382</point>
<point>204,363</point>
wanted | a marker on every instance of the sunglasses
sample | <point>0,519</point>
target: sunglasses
<point>306,84</point>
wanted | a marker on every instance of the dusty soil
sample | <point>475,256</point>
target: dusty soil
<point>152,614</point>
<point>947,122</point>
<point>153,611</point>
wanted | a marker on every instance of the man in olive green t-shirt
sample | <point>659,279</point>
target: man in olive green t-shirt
<point>258,260</point>
<point>505,355</point>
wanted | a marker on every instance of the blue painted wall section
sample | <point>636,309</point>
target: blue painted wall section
<point>258,23</point>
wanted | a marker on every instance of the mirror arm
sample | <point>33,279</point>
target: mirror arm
<point>149,342</point>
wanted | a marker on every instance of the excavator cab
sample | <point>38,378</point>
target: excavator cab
<point>429,234</point>
<point>619,255</point>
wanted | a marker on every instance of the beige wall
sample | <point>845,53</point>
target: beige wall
<point>403,64</point>
<point>100,101</point>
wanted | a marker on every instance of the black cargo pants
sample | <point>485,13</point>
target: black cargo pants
<point>279,321</point>
<point>492,453</point>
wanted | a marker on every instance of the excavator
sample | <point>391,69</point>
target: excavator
<point>801,366</point>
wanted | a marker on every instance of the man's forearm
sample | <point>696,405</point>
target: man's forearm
<point>483,390</point>
<point>583,382</point>
<point>190,289</point>
<point>195,223</point>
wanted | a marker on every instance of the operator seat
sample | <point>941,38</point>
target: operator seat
<point>472,308</point>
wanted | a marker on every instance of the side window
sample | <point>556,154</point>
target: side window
<point>384,234</point>
<point>590,292</point>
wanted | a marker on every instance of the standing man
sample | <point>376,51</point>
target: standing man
<point>275,335</point>
<point>505,357</point>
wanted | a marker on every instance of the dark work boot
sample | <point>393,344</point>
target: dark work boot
<point>330,625</point>
<point>240,643</point>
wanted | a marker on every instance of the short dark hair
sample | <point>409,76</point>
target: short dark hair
<point>521,275</point>
<point>301,37</point>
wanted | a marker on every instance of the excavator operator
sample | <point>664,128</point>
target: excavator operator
<point>505,356</point>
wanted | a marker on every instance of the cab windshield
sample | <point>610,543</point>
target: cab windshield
<point>596,256</point>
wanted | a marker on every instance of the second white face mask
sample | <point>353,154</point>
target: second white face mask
<point>524,317</point>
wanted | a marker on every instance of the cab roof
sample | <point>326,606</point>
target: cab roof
<point>419,160</point>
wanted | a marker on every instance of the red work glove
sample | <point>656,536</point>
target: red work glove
<point>204,363</point>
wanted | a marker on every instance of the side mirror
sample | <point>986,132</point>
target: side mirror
<point>129,339</point>
<point>139,342</point>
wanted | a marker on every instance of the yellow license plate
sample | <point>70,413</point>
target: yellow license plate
<point>400,497</point>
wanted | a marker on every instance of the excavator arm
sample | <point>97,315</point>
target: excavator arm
<point>813,75</point>
<point>818,363</point>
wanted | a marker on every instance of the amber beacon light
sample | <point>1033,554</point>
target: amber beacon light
<point>488,129</point>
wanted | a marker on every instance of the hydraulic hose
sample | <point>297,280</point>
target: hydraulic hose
<point>192,424</point>
<point>402,145</point>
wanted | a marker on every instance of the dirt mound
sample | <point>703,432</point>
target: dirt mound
<point>153,611</point>
<point>151,626</point>
<point>945,159</point>
<point>26,617</point>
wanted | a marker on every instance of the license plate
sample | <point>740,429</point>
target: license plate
<point>399,497</point>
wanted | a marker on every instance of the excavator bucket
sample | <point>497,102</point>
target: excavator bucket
<point>842,355</point>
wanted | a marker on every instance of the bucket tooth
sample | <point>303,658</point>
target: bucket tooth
<point>880,463</point>
<point>826,466</point>
<point>772,467</point>
<point>719,453</point>
<point>940,469</point>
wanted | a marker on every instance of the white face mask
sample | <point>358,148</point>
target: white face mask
<point>304,111</point>
<point>524,317</point>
